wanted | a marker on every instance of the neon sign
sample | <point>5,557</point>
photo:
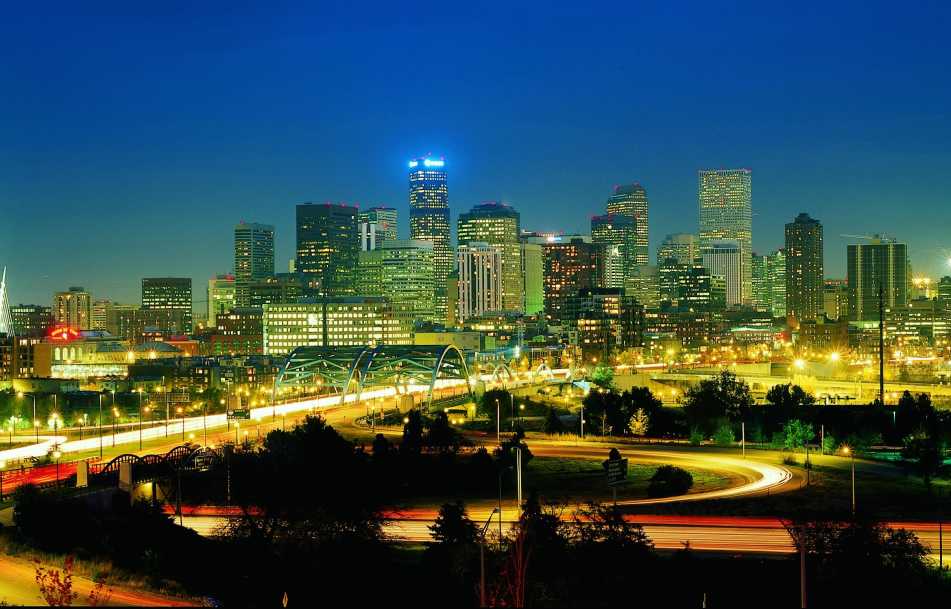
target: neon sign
<point>63,334</point>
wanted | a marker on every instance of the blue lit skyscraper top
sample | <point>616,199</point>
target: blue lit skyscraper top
<point>429,218</point>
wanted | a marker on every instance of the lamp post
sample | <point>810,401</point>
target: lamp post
<point>485,528</point>
<point>848,451</point>
<point>498,423</point>
<point>115,416</point>
<point>36,424</point>
<point>140,417</point>
<point>100,426</point>
<point>181,411</point>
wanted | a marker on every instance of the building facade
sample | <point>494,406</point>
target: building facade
<point>403,270</point>
<point>835,299</point>
<point>384,221</point>
<point>618,235</point>
<point>533,274</point>
<point>804,269</point>
<point>571,264</point>
<point>480,280</point>
<point>73,308</point>
<point>682,247</point>
<point>328,247</point>
<point>221,297</point>
<point>726,213</point>
<point>882,265</point>
<point>429,219</point>
<point>604,321</point>
<point>769,283</point>
<point>631,200</point>
<point>253,257</point>
<point>725,259</point>
<point>171,294</point>
<point>498,225</point>
<point>31,320</point>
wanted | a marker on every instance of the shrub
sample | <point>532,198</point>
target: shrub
<point>724,435</point>
<point>696,437</point>
<point>668,481</point>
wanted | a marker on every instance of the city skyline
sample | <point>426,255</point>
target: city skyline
<point>185,173</point>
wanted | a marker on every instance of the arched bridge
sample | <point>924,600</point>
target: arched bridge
<point>354,369</point>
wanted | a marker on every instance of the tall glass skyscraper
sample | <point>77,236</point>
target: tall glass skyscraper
<point>880,264</point>
<point>253,257</point>
<point>384,222</point>
<point>726,213</point>
<point>498,225</point>
<point>631,200</point>
<point>618,234</point>
<point>328,247</point>
<point>429,219</point>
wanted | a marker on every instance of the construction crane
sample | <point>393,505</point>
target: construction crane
<point>873,238</point>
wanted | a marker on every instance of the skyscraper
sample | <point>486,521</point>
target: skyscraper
<point>73,308</point>
<point>498,224</point>
<point>726,213</point>
<point>221,297</point>
<point>682,247</point>
<point>571,264</point>
<point>480,280</point>
<point>402,270</point>
<point>723,258</point>
<point>618,235</point>
<point>429,219</point>
<point>253,257</point>
<point>30,320</point>
<point>328,248</point>
<point>385,219</point>
<point>769,283</point>
<point>6,319</point>
<point>835,299</point>
<point>880,264</point>
<point>171,294</point>
<point>533,273</point>
<point>804,269</point>
<point>99,314</point>
<point>631,200</point>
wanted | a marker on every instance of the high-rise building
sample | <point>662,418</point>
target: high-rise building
<point>835,299</point>
<point>698,290</point>
<point>169,294</point>
<point>724,259</point>
<point>604,321</point>
<point>631,200</point>
<point>881,264</point>
<point>644,285</point>
<point>282,288</point>
<point>429,219</point>
<point>618,235</point>
<point>480,280</point>
<point>497,224</point>
<point>334,322</point>
<point>29,320</point>
<point>403,271</point>
<point>328,247</point>
<point>253,257</point>
<point>726,213</point>
<point>769,283</point>
<point>240,331</point>
<point>6,319</point>
<point>943,292</point>
<point>73,308</point>
<point>99,313</point>
<point>682,247</point>
<point>572,263</point>
<point>384,221</point>
<point>804,269</point>
<point>533,273</point>
<point>221,298</point>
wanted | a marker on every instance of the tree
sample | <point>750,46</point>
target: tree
<point>712,400</point>
<point>640,422</point>
<point>789,396</point>
<point>553,424</point>
<point>506,453</point>
<point>724,434</point>
<point>603,525</point>
<point>488,406</point>
<point>381,447</point>
<point>453,526</point>
<point>669,480</point>
<point>603,376</point>
<point>926,455</point>
<point>796,434</point>
<point>412,433</point>
<point>441,435</point>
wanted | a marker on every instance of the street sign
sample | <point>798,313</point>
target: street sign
<point>616,470</point>
<point>242,413</point>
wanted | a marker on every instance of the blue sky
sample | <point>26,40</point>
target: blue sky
<point>134,141</point>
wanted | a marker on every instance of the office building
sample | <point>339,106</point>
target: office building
<point>73,308</point>
<point>221,297</point>
<point>143,325</point>
<point>282,288</point>
<point>171,294</point>
<point>618,234</point>
<point>429,219</point>
<point>804,269</point>
<point>643,285</point>
<point>533,273</point>
<point>835,299</point>
<point>631,200</point>
<point>572,263</point>
<point>603,322</point>
<point>724,259</point>
<point>480,280</point>
<point>402,270</point>
<point>253,257</point>
<point>29,320</point>
<point>769,283</point>
<point>334,322</point>
<point>943,293</point>
<point>99,312</point>
<point>726,214</point>
<point>328,247</point>
<point>384,222</point>
<point>239,331</point>
<point>682,247</point>
<point>497,224</point>
<point>881,264</point>
<point>6,319</point>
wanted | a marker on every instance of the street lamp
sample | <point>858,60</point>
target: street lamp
<point>847,451</point>
<point>181,411</point>
<point>485,528</point>
<point>498,423</point>
<point>36,424</point>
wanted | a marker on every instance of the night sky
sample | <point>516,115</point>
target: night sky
<point>131,143</point>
